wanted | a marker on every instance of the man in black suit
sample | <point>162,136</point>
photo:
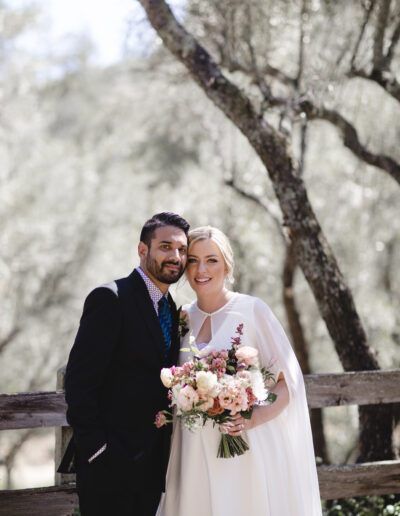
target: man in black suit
<point>127,333</point>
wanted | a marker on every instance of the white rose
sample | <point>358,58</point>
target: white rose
<point>257,385</point>
<point>166,377</point>
<point>207,382</point>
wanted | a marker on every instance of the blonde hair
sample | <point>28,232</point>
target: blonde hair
<point>220,239</point>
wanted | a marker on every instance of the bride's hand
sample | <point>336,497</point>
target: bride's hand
<point>238,425</point>
<point>261,414</point>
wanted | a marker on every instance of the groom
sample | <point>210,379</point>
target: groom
<point>128,332</point>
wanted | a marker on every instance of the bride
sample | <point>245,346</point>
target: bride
<point>277,476</point>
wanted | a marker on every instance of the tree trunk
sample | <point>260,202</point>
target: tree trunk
<point>375,422</point>
<point>312,250</point>
<point>301,347</point>
<point>296,329</point>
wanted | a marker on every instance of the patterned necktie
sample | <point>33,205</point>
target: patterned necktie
<point>165,318</point>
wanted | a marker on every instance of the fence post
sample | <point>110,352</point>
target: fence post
<point>63,436</point>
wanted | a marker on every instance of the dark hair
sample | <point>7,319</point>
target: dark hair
<point>165,218</point>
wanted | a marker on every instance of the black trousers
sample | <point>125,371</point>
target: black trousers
<point>118,503</point>
<point>104,489</point>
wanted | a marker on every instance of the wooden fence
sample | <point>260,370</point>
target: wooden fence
<point>47,409</point>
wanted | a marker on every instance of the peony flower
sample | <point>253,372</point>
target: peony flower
<point>187,398</point>
<point>207,382</point>
<point>166,377</point>
<point>247,355</point>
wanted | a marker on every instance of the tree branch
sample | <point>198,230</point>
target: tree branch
<point>351,140</point>
<point>368,12</point>
<point>393,44</point>
<point>265,204</point>
<point>379,62</point>
<point>314,254</point>
<point>312,250</point>
<point>236,66</point>
<point>8,338</point>
<point>303,19</point>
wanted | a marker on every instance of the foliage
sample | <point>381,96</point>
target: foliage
<point>365,506</point>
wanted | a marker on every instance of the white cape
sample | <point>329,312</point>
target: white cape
<point>277,476</point>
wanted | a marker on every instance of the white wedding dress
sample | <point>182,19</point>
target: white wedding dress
<point>277,476</point>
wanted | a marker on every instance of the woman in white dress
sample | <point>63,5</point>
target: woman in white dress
<point>277,476</point>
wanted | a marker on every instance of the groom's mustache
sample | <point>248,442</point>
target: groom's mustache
<point>172,263</point>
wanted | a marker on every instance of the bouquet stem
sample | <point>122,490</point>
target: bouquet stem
<point>230,446</point>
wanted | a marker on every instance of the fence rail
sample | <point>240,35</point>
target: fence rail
<point>41,409</point>
<point>335,482</point>
<point>47,409</point>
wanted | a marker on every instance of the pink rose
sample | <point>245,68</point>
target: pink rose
<point>161,419</point>
<point>217,363</point>
<point>247,355</point>
<point>187,367</point>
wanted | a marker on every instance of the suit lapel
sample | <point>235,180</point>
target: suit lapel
<point>175,340</point>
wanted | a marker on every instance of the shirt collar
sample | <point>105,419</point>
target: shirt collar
<point>154,292</point>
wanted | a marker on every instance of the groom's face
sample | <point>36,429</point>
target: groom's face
<point>164,260</point>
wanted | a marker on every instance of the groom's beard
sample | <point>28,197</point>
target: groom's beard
<point>161,273</point>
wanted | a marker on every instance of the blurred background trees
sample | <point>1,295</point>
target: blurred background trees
<point>88,153</point>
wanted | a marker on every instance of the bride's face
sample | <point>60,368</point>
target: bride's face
<point>206,269</point>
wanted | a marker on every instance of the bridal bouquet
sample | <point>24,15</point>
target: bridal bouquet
<point>216,385</point>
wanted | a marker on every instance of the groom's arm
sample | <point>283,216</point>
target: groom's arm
<point>87,368</point>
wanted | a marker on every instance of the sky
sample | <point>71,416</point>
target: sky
<point>107,23</point>
<point>104,21</point>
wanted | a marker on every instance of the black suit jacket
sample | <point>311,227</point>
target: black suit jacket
<point>112,384</point>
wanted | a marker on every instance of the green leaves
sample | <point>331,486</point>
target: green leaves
<point>248,413</point>
<point>363,506</point>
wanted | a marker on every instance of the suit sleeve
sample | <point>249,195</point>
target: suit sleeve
<point>87,368</point>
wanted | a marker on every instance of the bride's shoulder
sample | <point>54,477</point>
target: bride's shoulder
<point>188,307</point>
<point>254,303</point>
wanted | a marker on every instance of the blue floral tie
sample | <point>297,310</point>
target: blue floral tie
<point>165,318</point>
